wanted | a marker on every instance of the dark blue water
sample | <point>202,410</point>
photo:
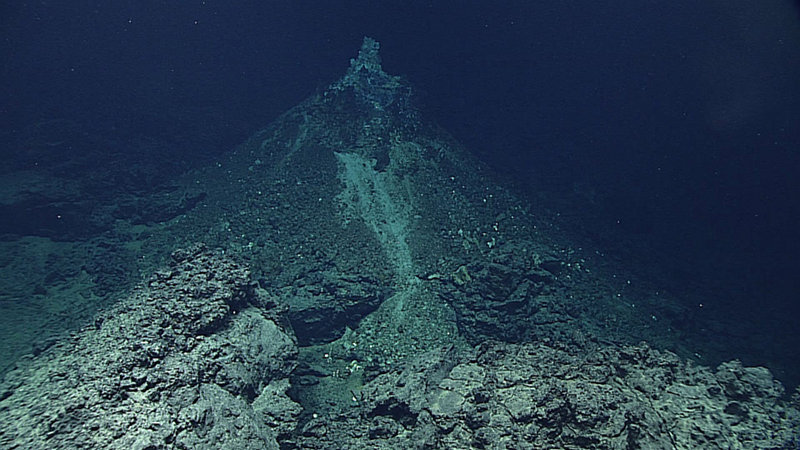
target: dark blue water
<point>667,132</point>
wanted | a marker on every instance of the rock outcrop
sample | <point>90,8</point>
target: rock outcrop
<point>191,359</point>
<point>539,396</point>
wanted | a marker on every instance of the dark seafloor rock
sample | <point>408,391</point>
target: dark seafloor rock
<point>186,361</point>
<point>538,396</point>
<point>50,185</point>
<point>505,297</point>
<point>71,196</point>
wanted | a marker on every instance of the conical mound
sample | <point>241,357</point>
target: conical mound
<point>375,286</point>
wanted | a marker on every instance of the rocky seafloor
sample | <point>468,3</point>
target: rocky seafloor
<point>199,357</point>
